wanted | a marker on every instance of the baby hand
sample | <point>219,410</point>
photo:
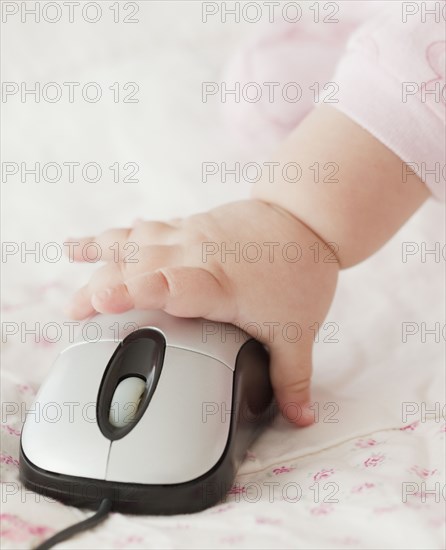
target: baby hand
<point>248,263</point>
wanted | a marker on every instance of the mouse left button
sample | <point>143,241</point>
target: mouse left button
<point>60,433</point>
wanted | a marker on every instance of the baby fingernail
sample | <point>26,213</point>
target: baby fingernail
<point>103,295</point>
<point>307,412</point>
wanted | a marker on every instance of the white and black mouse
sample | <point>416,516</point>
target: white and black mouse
<point>155,413</point>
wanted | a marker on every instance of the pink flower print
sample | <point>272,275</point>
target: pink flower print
<point>436,58</point>
<point>364,486</point>
<point>410,427</point>
<point>7,459</point>
<point>322,510</point>
<point>423,473</point>
<point>437,522</point>
<point>25,388</point>
<point>283,470</point>
<point>17,530</point>
<point>364,443</point>
<point>10,430</point>
<point>374,460</point>
<point>323,474</point>
<point>237,489</point>
<point>221,509</point>
<point>44,343</point>
<point>123,542</point>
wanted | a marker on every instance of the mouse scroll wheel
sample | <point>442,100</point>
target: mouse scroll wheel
<point>125,401</point>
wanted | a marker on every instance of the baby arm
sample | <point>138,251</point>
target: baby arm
<point>356,216</point>
<point>369,201</point>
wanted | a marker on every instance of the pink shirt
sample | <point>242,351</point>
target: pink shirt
<point>392,82</point>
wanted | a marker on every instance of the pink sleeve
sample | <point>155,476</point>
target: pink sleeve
<point>392,82</point>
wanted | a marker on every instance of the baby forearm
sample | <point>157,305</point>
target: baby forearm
<point>364,199</point>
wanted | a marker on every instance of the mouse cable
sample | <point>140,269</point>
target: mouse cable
<point>89,523</point>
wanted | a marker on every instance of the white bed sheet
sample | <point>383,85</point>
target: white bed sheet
<point>350,473</point>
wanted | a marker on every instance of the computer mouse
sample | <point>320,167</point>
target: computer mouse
<point>151,411</point>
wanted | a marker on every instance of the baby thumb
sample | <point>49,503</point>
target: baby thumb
<point>290,371</point>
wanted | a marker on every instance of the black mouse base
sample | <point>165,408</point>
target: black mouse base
<point>131,498</point>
